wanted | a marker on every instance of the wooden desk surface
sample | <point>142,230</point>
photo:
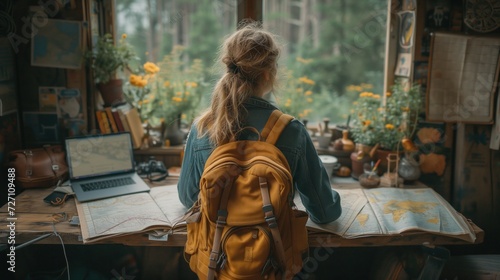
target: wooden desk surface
<point>35,218</point>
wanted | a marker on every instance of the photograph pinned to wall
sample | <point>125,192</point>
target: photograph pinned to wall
<point>47,99</point>
<point>437,15</point>
<point>437,18</point>
<point>41,128</point>
<point>58,44</point>
<point>403,65</point>
<point>406,29</point>
<point>70,103</point>
<point>71,111</point>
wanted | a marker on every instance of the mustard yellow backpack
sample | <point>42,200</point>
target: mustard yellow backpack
<point>245,224</point>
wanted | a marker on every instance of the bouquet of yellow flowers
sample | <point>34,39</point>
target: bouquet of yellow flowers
<point>139,90</point>
<point>387,125</point>
<point>180,87</point>
<point>166,91</point>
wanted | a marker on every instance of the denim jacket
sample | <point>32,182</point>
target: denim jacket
<point>310,177</point>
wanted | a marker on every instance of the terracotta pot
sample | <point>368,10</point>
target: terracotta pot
<point>111,92</point>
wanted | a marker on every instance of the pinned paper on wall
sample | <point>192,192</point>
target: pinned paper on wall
<point>47,99</point>
<point>403,66</point>
<point>58,44</point>
<point>406,29</point>
<point>463,78</point>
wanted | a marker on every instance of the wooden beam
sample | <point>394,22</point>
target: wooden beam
<point>250,9</point>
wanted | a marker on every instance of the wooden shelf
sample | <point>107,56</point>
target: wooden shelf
<point>171,156</point>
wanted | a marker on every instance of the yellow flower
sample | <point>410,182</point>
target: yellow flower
<point>388,94</point>
<point>124,36</point>
<point>179,93</point>
<point>366,94</point>
<point>191,84</point>
<point>166,84</point>
<point>306,80</point>
<point>351,88</point>
<point>151,68</point>
<point>307,93</point>
<point>309,100</point>
<point>303,60</point>
<point>405,109</point>
<point>389,126</point>
<point>367,122</point>
<point>376,96</point>
<point>176,99</point>
<point>137,81</point>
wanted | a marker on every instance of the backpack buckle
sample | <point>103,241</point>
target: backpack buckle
<point>271,221</point>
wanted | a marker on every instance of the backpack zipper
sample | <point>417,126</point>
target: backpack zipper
<point>258,159</point>
<point>222,258</point>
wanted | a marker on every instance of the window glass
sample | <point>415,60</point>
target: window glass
<point>332,50</point>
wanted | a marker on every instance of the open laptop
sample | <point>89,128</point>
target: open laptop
<point>102,166</point>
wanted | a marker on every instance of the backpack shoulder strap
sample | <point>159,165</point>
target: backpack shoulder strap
<point>274,126</point>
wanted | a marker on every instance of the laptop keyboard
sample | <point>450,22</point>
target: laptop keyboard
<point>107,184</point>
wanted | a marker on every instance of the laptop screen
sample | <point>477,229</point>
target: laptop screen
<point>98,155</point>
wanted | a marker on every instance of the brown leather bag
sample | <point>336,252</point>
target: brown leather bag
<point>39,167</point>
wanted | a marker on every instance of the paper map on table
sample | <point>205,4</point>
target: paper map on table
<point>389,211</point>
<point>157,210</point>
<point>398,210</point>
<point>365,224</point>
<point>352,201</point>
<point>365,212</point>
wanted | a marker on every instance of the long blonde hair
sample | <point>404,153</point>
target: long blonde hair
<point>246,54</point>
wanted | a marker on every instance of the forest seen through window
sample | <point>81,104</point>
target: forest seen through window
<point>331,50</point>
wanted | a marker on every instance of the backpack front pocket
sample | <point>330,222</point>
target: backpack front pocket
<point>246,252</point>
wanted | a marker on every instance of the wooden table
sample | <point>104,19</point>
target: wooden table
<point>34,218</point>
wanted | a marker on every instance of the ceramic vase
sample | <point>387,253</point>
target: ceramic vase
<point>173,133</point>
<point>409,169</point>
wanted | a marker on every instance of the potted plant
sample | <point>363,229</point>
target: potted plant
<point>106,59</point>
<point>365,131</point>
<point>389,125</point>
<point>167,93</point>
